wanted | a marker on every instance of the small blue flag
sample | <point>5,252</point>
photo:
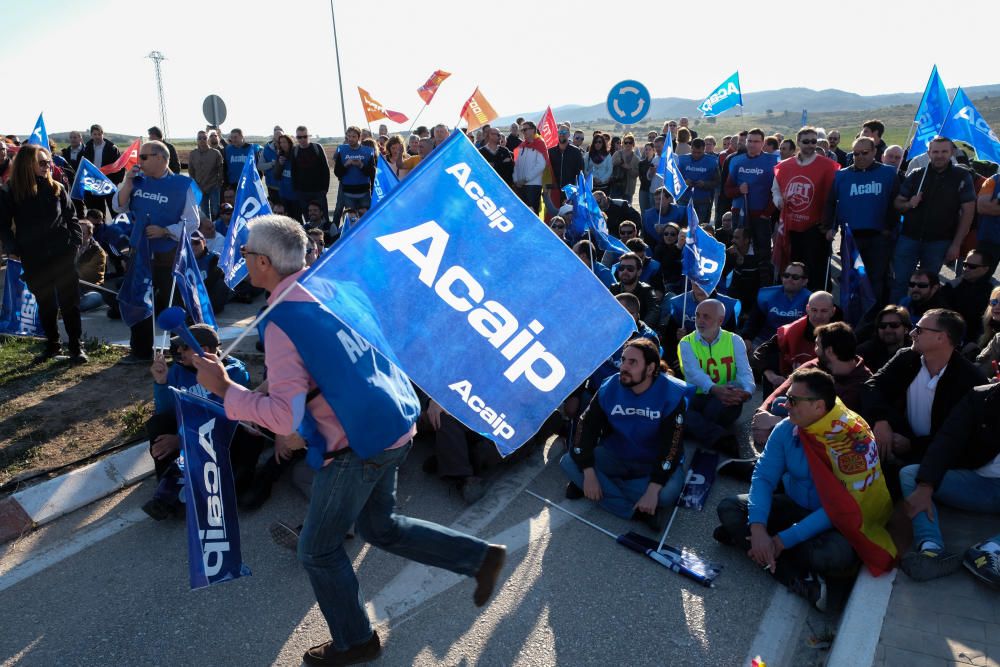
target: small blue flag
<point>385,180</point>
<point>486,344</point>
<point>703,256</point>
<point>931,114</point>
<point>39,136</point>
<point>19,310</point>
<point>191,285</point>
<point>805,118</point>
<point>587,215</point>
<point>251,201</point>
<point>965,123</point>
<point>213,528</point>
<point>135,295</point>
<point>90,179</point>
<point>856,294</point>
<point>725,96</point>
<point>670,169</point>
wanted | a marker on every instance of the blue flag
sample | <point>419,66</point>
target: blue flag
<point>856,294</point>
<point>805,118</point>
<point>385,180</point>
<point>191,285</point>
<point>213,528</point>
<point>19,310</point>
<point>965,123</point>
<point>725,96</point>
<point>488,342</point>
<point>587,215</point>
<point>39,136</point>
<point>90,179</point>
<point>135,295</point>
<point>931,114</point>
<point>251,201</point>
<point>670,169</point>
<point>703,256</point>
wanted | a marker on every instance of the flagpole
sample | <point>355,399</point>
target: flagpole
<point>170,304</point>
<point>416,118</point>
<point>340,81</point>
<point>684,309</point>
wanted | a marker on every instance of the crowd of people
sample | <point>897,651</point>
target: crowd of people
<point>914,375</point>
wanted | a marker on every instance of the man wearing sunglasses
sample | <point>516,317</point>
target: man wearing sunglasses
<point>924,293</point>
<point>861,198</point>
<point>969,294</point>
<point>778,305</point>
<point>908,399</point>
<point>164,205</point>
<point>892,332</point>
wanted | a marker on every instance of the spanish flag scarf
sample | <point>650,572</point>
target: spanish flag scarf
<point>843,460</point>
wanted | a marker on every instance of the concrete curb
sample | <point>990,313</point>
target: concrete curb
<point>861,624</point>
<point>37,505</point>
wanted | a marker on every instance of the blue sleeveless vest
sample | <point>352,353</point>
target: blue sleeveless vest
<point>160,202</point>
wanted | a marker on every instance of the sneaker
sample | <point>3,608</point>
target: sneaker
<point>489,572</point>
<point>473,489</point>
<point>51,351</point>
<point>983,564</point>
<point>132,359</point>
<point>813,588</point>
<point>927,564</point>
<point>327,653</point>
<point>573,492</point>
<point>78,357</point>
<point>722,536</point>
<point>284,535</point>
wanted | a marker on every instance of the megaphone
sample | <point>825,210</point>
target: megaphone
<point>174,320</point>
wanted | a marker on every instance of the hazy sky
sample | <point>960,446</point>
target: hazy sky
<point>273,62</point>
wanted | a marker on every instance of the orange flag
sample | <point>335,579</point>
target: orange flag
<point>375,111</point>
<point>129,158</point>
<point>429,88</point>
<point>477,111</point>
<point>548,129</point>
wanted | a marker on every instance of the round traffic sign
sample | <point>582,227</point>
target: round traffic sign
<point>214,109</point>
<point>628,102</point>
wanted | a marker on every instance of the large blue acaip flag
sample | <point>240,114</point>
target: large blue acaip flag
<point>931,114</point>
<point>39,136</point>
<point>587,215</point>
<point>856,294</point>
<point>251,201</point>
<point>135,295</point>
<point>724,97</point>
<point>488,343</point>
<point>703,256</point>
<point>213,528</point>
<point>90,179</point>
<point>669,169</point>
<point>191,286</point>
<point>19,309</point>
<point>965,123</point>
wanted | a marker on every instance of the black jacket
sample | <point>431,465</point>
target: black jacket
<point>875,353</point>
<point>40,228</point>
<point>968,438</point>
<point>566,164</point>
<point>618,211</point>
<point>174,163</point>
<point>647,300</point>
<point>108,156</point>
<point>969,299</point>
<point>884,395</point>
<point>310,169</point>
<point>502,162</point>
<point>67,154</point>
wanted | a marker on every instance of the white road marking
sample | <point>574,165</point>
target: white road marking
<point>779,627</point>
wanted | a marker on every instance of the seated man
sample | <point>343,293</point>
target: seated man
<point>629,267</point>
<point>969,295</point>
<point>892,333</point>
<point>715,362</point>
<point>617,210</point>
<point>585,251</point>
<point>814,531</point>
<point>961,469</point>
<point>678,317</point>
<point>164,443</point>
<point>214,241</point>
<point>923,295</point>
<point>91,262</point>
<point>795,343</point>
<point>664,210</point>
<point>741,273</point>
<point>778,305</point>
<point>627,232</point>
<point>629,446</point>
<point>225,217</point>
<point>908,399</point>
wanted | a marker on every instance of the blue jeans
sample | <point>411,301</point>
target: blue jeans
<point>961,489</point>
<point>876,251</point>
<point>350,491</point>
<point>930,255</point>
<point>210,203</point>
<point>623,482</point>
<point>90,301</point>
<point>645,201</point>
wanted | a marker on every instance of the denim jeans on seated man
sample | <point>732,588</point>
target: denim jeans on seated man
<point>363,493</point>
<point>962,489</point>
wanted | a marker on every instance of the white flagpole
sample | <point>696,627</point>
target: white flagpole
<point>340,81</point>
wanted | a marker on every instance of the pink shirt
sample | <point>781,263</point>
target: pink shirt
<point>288,383</point>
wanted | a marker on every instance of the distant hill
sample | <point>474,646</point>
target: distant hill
<point>776,101</point>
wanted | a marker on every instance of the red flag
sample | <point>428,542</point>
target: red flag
<point>429,88</point>
<point>375,111</point>
<point>477,111</point>
<point>548,129</point>
<point>129,158</point>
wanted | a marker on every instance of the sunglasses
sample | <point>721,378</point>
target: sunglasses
<point>670,233</point>
<point>44,163</point>
<point>795,400</point>
<point>971,266</point>
<point>917,329</point>
<point>629,143</point>
<point>145,156</point>
<point>995,302</point>
<point>558,226</point>
<point>629,269</point>
<point>807,141</point>
<point>920,285</point>
<point>890,325</point>
<point>793,276</point>
<point>860,153</point>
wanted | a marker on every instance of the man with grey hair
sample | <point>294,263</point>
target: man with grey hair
<point>715,362</point>
<point>893,156</point>
<point>164,206</point>
<point>357,415</point>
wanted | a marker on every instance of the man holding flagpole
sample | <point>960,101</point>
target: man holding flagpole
<point>164,207</point>
<point>358,413</point>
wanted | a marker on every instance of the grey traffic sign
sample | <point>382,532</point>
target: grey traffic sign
<point>214,109</point>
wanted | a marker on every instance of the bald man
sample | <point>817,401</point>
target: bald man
<point>794,343</point>
<point>715,362</point>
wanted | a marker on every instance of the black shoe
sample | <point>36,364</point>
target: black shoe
<point>929,564</point>
<point>489,572</point>
<point>158,510</point>
<point>327,654</point>
<point>573,492</point>
<point>51,351</point>
<point>722,536</point>
<point>813,588</point>
<point>132,359</point>
<point>430,465</point>
<point>284,535</point>
<point>78,357</point>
